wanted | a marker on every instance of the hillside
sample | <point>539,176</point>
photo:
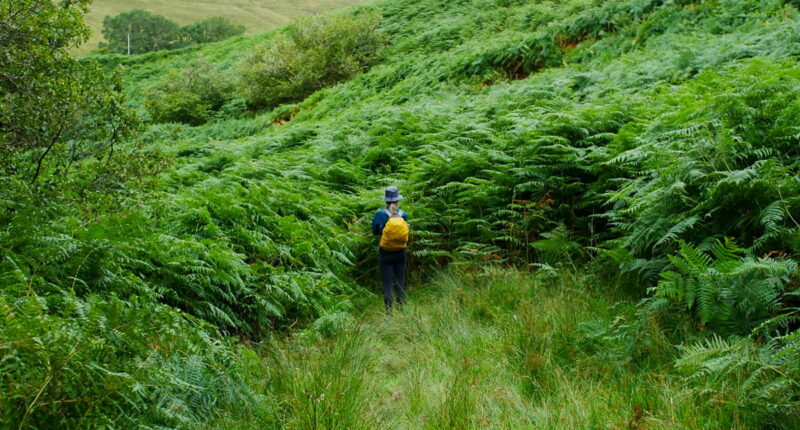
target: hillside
<point>256,15</point>
<point>604,198</point>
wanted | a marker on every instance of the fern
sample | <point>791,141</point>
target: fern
<point>730,292</point>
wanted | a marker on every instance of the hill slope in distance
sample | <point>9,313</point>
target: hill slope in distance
<point>256,15</point>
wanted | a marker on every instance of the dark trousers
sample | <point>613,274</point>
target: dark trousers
<point>393,268</point>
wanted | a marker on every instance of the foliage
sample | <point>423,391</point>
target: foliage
<point>720,164</point>
<point>739,374</point>
<point>311,54</point>
<point>210,30</point>
<point>147,32</point>
<point>55,112</point>
<point>260,17</point>
<point>188,95</point>
<point>106,362</point>
<point>728,292</point>
<point>634,136</point>
<point>178,106</point>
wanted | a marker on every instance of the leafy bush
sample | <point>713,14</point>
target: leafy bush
<point>210,30</point>
<point>178,106</point>
<point>233,108</point>
<point>312,54</point>
<point>106,362</point>
<point>55,112</point>
<point>189,95</point>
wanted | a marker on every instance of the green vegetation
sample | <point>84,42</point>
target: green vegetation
<point>189,96</point>
<point>142,31</point>
<point>493,349</point>
<point>314,53</point>
<point>211,30</point>
<point>146,31</point>
<point>55,112</point>
<point>256,15</point>
<point>613,184</point>
<point>311,55</point>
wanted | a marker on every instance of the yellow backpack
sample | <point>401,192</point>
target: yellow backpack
<point>395,233</point>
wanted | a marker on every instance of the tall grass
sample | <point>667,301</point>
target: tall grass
<point>482,348</point>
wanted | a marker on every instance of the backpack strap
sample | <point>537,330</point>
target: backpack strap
<point>388,213</point>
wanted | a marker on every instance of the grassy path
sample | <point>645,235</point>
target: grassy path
<point>495,349</point>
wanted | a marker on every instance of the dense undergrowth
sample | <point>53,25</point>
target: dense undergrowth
<point>654,143</point>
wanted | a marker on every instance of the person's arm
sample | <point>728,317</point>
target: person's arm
<point>377,223</point>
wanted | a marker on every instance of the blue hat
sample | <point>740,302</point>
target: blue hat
<point>392,195</point>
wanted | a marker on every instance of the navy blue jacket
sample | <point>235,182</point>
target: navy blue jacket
<point>380,220</point>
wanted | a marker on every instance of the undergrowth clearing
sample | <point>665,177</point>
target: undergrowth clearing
<point>475,348</point>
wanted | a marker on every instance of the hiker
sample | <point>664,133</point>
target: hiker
<point>391,224</point>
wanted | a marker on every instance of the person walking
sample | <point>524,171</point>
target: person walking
<point>391,224</point>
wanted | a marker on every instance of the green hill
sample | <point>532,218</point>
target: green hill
<point>255,15</point>
<point>604,198</point>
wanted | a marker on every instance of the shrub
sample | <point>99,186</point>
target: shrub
<point>210,30</point>
<point>233,108</point>
<point>55,111</point>
<point>311,54</point>
<point>109,363</point>
<point>178,106</point>
<point>189,95</point>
